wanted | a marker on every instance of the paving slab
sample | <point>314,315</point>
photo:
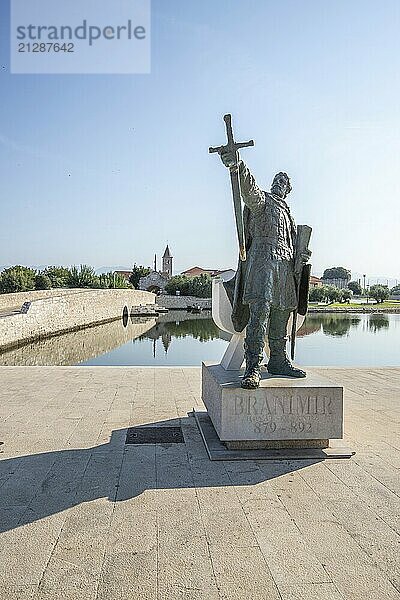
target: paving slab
<point>83,515</point>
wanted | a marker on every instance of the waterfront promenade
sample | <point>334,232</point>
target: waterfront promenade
<point>84,516</point>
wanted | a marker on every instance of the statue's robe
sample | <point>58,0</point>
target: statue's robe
<point>267,274</point>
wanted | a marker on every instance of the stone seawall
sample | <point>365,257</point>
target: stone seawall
<point>67,312</point>
<point>183,302</point>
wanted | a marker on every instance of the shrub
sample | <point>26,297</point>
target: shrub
<point>113,280</point>
<point>17,279</point>
<point>58,276</point>
<point>317,294</point>
<point>42,282</point>
<point>200,286</point>
<point>395,290</point>
<point>332,294</point>
<point>355,287</point>
<point>346,294</point>
<point>82,277</point>
<point>379,292</point>
<point>178,283</point>
<point>138,271</point>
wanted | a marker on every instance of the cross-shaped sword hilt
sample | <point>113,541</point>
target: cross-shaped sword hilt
<point>231,146</point>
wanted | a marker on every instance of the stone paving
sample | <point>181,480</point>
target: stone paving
<point>84,516</point>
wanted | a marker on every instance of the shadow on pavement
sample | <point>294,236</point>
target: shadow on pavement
<point>35,486</point>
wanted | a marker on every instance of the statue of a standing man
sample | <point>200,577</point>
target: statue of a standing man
<point>265,289</point>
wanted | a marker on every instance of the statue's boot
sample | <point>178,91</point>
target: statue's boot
<point>252,375</point>
<point>254,344</point>
<point>278,363</point>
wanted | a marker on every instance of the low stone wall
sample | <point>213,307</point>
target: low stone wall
<point>17,299</point>
<point>183,302</point>
<point>180,315</point>
<point>68,312</point>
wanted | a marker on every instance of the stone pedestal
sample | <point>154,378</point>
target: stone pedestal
<point>282,413</point>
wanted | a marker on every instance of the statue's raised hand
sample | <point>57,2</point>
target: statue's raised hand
<point>228,158</point>
<point>305,256</point>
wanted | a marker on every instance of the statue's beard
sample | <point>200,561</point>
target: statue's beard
<point>278,191</point>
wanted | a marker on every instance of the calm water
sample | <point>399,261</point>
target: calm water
<point>179,338</point>
<point>350,340</point>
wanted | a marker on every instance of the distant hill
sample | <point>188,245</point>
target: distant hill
<point>36,267</point>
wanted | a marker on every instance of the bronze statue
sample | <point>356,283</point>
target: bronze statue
<point>266,287</point>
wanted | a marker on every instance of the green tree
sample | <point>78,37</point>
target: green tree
<point>58,276</point>
<point>200,286</point>
<point>178,283</point>
<point>113,280</point>
<point>17,279</point>
<point>332,294</point>
<point>317,294</point>
<point>395,290</point>
<point>380,293</point>
<point>346,294</point>
<point>138,271</point>
<point>355,287</point>
<point>82,277</point>
<point>337,273</point>
<point>42,282</point>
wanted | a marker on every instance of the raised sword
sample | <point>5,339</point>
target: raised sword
<point>233,147</point>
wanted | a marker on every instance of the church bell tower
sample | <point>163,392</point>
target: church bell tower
<point>167,262</point>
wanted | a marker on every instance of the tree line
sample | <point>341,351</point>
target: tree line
<point>330,294</point>
<point>23,279</point>
<point>199,286</point>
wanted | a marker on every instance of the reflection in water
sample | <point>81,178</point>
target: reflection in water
<point>339,326</point>
<point>179,324</point>
<point>378,321</point>
<point>309,326</point>
<point>351,339</point>
<point>332,324</point>
<point>76,346</point>
<point>176,338</point>
<point>180,338</point>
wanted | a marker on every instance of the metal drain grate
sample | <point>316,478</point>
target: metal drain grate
<point>154,435</point>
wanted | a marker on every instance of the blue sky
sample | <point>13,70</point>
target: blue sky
<point>107,169</point>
